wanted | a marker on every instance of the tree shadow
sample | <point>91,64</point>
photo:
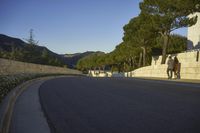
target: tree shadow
<point>197,46</point>
<point>190,45</point>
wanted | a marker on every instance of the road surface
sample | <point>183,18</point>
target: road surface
<point>120,105</point>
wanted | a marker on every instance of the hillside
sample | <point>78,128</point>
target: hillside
<point>17,49</point>
<point>6,43</point>
<point>72,59</point>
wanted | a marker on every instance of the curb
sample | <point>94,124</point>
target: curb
<point>189,81</point>
<point>7,112</point>
<point>12,98</point>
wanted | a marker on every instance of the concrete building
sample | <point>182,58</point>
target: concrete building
<point>194,34</point>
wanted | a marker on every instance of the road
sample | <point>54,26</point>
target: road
<point>120,105</point>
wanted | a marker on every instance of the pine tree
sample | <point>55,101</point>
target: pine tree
<point>31,40</point>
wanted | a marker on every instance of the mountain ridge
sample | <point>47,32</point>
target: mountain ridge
<point>37,54</point>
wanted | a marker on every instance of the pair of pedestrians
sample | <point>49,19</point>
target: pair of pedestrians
<point>173,66</point>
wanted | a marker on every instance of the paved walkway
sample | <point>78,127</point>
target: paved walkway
<point>27,114</point>
<point>172,80</point>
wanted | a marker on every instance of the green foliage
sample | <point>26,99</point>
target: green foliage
<point>9,82</point>
<point>139,32</point>
<point>31,54</point>
<point>121,59</point>
<point>177,44</point>
<point>91,62</point>
<point>149,31</point>
<point>169,15</point>
<point>31,40</point>
<point>28,52</point>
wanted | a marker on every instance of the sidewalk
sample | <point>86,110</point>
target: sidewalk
<point>27,114</point>
<point>171,80</point>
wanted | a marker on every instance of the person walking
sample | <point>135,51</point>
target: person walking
<point>176,68</point>
<point>170,66</point>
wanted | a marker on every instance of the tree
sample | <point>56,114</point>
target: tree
<point>1,54</point>
<point>123,57</point>
<point>13,53</point>
<point>177,44</point>
<point>139,32</point>
<point>169,15</point>
<point>45,56</point>
<point>93,61</point>
<point>31,40</point>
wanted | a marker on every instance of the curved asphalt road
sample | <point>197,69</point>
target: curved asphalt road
<point>120,105</point>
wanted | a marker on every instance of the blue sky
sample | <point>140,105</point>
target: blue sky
<point>69,26</point>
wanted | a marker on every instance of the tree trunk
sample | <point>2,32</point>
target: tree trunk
<point>140,60</point>
<point>104,68</point>
<point>119,68</point>
<point>144,56</point>
<point>164,48</point>
<point>133,62</point>
<point>130,61</point>
<point>124,67</point>
<point>99,69</point>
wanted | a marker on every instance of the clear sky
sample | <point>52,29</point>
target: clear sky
<point>69,26</point>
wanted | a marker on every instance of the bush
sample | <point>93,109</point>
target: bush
<point>8,82</point>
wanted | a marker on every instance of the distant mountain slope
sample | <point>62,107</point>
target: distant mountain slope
<point>6,43</point>
<point>72,59</point>
<point>16,49</point>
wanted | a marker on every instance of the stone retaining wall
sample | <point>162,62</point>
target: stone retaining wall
<point>15,67</point>
<point>190,67</point>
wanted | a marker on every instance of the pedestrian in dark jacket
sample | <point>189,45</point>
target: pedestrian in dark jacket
<point>170,67</point>
<point>176,68</point>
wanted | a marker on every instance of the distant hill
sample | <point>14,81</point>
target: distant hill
<point>17,49</point>
<point>72,59</point>
<point>6,43</point>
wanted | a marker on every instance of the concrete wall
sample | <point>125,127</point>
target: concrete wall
<point>15,67</point>
<point>190,67</point>
<point>194,34</point>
